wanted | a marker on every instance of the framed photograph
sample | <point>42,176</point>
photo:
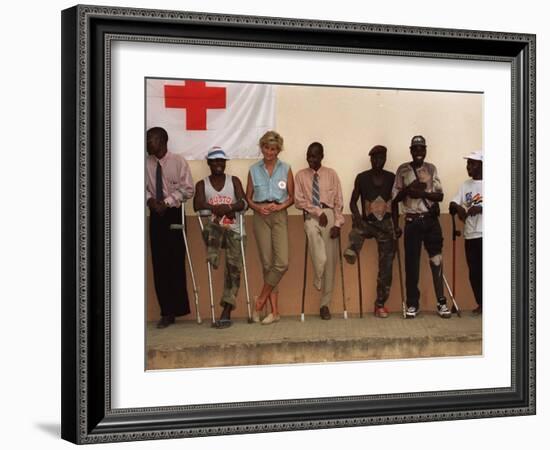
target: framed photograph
<point>219,94</point>
<point>316,116</point>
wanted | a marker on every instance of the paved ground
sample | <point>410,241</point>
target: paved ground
<point>187,344</point>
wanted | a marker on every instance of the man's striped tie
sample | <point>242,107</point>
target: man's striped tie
<point>315,190</point>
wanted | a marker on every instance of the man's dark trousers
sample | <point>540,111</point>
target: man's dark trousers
<point>423,229</point>
<point>168,257</point>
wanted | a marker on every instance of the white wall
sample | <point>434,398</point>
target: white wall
<point>351,121</point>
<point>30,387</point>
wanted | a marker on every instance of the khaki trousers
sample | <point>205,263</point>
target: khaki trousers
<point>272,238</point>
<point>324,253</point>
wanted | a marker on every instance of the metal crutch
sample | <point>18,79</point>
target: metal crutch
<point>342,277</point>
<point>399,267</point>
<point>302,316</point>
<point>456,234</point>
<point>241,231</point>
<point>360,284</point>
<point>210,288</point>
<point>181,227</point>
<point>451,295</point>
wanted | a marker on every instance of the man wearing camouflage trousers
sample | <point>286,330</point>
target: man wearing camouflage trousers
<point>374,222</point>
<point>223,196</point>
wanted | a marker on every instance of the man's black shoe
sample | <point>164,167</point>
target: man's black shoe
<point>325,313</point>
<point>166,321</point>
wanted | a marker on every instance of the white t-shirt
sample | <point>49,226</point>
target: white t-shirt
<point>471,194</point>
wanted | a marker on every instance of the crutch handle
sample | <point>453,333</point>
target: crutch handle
<point>456,233</point>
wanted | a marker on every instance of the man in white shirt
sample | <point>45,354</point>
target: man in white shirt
<point>468,205</point>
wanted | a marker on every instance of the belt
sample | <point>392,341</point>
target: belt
<point>371,218</point>
<point>322,206</point>
<point>267,201</point>
<point>414,216</point>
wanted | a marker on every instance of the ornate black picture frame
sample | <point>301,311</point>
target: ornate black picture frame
<point>87,35</point>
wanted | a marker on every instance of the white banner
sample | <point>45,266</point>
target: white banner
<point>199,115</point>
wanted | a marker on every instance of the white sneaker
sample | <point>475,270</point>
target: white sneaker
<point>257,316</point>
<point>443,311</point>
<point>411,312</point>
<point>270,318</point>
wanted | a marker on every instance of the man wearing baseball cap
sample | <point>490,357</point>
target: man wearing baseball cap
<point>418,187</point>
<point>468,205</point>
<point>374,186</point>
<point>223,196</point>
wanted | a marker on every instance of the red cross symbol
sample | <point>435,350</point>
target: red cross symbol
<point>196,98</point>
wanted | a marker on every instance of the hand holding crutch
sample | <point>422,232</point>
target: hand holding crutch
<point>195,288</point>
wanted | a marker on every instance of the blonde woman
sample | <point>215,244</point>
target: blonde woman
<point>269,192</point>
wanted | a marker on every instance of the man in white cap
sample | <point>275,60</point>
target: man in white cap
<point>468,205</point>
<point>224,197</point>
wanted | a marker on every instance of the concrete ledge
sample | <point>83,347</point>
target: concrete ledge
<point>314,341</point>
